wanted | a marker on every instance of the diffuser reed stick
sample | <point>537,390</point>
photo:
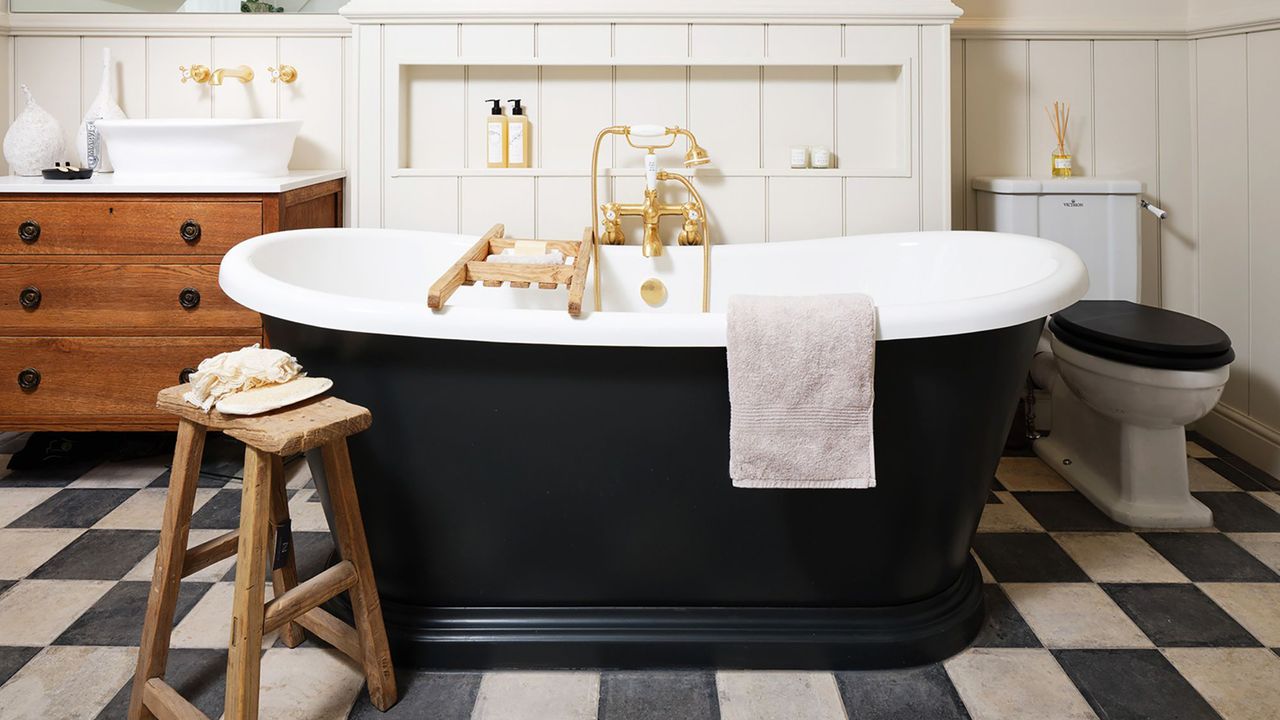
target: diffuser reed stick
<point>1059,118</point>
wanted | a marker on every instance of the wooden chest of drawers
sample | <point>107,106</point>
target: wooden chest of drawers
<point>105,299</point>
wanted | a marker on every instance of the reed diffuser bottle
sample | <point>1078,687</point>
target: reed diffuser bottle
<point>1061,154</point>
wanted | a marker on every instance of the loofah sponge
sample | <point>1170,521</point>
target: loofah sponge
<point>239,370</point>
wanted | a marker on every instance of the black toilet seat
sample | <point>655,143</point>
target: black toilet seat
<point>1140,335</point>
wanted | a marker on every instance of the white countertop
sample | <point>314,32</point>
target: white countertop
<point>107,183</point>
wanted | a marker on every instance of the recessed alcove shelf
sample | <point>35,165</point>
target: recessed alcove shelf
<point>876,95</point>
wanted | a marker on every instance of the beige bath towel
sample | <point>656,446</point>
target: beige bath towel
<point>801,387</point>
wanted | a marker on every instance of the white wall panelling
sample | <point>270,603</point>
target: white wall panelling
<point>1263,59</point>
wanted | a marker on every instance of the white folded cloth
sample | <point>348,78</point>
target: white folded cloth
<point>238,370</point>
<point>555,257</point>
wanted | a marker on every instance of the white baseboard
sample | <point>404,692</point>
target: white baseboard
<point>1257,443</point>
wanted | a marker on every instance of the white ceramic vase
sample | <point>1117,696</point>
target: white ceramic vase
<point>34,141</point>
<point>89,144</point>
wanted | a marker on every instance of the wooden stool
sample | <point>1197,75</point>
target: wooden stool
<point>264,512</point>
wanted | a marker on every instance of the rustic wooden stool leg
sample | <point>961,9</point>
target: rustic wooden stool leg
<point>285,577</point>
<point>244,656</point>
<point>153,651</point>
<point>365,606</point>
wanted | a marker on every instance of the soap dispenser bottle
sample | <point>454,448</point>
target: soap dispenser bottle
<point>495,136</point>
<point>517,137</point>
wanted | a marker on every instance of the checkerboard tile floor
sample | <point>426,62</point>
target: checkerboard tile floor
<point>1087,619</point>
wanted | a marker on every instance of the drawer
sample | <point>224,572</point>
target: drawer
<point>126,227</point>
<point>51,299</point>
<point>96,379</point>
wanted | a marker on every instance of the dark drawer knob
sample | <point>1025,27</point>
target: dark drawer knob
<point>29,379</point>
<point>190,231</point>
<point>29,298</point>
<point>185,376</point>
<point>29,231</point>
<point>189,298</point>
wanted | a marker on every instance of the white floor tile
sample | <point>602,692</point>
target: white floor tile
<point>306,516</point>
<point>144,510</point>
<point>297,474</point>
<point>15,502</point>
<point>1008,515</point>
<point>23,550</point>
<point>1016,684</point>
<point>1118,558</point>
<point>138,474</point>
<point>1196,451</point>
<point>1268,498</point>
<point>1264,546</point>
<point>67,683</point>
<point>1029,473</point>
<point>1256,606</point>
<point>1204,479</point>
<point>308,684</point>
<point>779,696</point>
<point>1074,615</point>
<point>215,572</point>
<point>1240,683</point>
<point>208,625</point>
<point>34,613</point>
<point>538,696</point>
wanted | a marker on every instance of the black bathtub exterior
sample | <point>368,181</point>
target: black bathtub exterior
<point>542,506</point>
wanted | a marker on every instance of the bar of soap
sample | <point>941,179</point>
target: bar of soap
<point>530,247</point>
<point>272,397</point>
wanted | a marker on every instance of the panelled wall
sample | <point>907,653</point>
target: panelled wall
<point>63,71</point>
<point>1194,121</point>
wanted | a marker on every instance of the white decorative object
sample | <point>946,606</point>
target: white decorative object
<point>34,141</point>
<point>89,139</point>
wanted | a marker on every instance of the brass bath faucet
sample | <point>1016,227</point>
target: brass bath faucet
<point>695,229</point>
<point>202,74</point>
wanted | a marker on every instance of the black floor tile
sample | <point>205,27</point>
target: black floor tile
<point>658,696</point>
<point>993,499</point>
<point>13,658</point>
<point>1026,557</point>
<point>72,509</point>
<point>116,619</point>
<point>1133,685</point>
<point>222,512</point>
<point>1066,512</point>
<point>197,675</point>
<point>6,584</point>
<point>312,552</point>
<point>1239,512</point>
<point>1209,557</point>
<point>1179,615</point>
<point>1004,627</point>
<point>99,555</point>
<point>1238,477</point>
<point>434,695</point>
<point>205,481</point>
<point>909,694</point>
<point>996,484</point>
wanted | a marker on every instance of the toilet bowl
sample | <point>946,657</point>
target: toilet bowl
<point>1124,381</point>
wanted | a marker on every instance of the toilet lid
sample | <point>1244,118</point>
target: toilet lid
<point>1140,335</point>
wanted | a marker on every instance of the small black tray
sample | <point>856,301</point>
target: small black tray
<point>55,173</point>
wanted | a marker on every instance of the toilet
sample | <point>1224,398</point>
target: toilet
<point>1123,380</point>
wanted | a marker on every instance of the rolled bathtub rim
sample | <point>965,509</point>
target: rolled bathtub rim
<point>242,279</point>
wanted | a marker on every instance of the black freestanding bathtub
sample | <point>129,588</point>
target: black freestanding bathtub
<point>567,504</point>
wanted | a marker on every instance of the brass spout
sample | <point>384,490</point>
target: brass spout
<point>652,246</point>
<point>243,73</point>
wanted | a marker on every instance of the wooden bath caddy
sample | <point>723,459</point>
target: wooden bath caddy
<point>472,268</point>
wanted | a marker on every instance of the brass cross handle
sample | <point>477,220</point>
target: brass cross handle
<point>198,73</point>
<point>285,74</point>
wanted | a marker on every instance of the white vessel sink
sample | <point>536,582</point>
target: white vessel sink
<point>196,149</point>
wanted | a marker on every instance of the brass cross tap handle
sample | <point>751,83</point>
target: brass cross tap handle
<point>198,73</point>
<point>285,74</point>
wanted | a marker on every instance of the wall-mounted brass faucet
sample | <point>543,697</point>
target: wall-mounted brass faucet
<point>202,74</point>
<point>695,229</point>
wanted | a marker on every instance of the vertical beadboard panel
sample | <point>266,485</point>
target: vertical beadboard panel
<point>1264,245</point>
<point>724,107</point>
<point>563,207</point>
<point>577,103</point>
<point>738,43</point>
<point>644,95</point>
<point>934,157</point>
<point>959,173</point>
<point>995,121</point>
<point>811,43</point>
<point>422,203</point>
<point>6,90</point>
<point>167,96</point>
<point>1223,142</point>
<point>235,99</point>
<point>503,82</point>
<point>1178,245</point>
<point>513,41</point>
<point>876,205</point>
<point>128,72</point>
<point>1126,118</point>
<point>55,89</point>
<point>799,109</point>
<point>651,41</point>
<point>432,115</point>
<point>1061,70</point>
<point>735,208</point>
<point>484,201</point>
<point>367,184</point>
<point>580,43</point>
<point>314,98</point>
<point>802,208</point>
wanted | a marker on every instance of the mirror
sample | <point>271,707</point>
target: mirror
<point>177,6</point>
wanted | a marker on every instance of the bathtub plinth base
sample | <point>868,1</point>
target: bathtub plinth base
<point>729,638</point>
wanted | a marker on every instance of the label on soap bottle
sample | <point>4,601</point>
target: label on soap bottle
<point>515,144</point>
<point>493,135</point>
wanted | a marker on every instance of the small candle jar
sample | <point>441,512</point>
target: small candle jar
<point>820,157</point>
<point>799,156</point>
<point>1061,163</point>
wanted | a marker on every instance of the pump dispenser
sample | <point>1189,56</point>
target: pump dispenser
<point>517,137</point>
<point>495,135</point>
